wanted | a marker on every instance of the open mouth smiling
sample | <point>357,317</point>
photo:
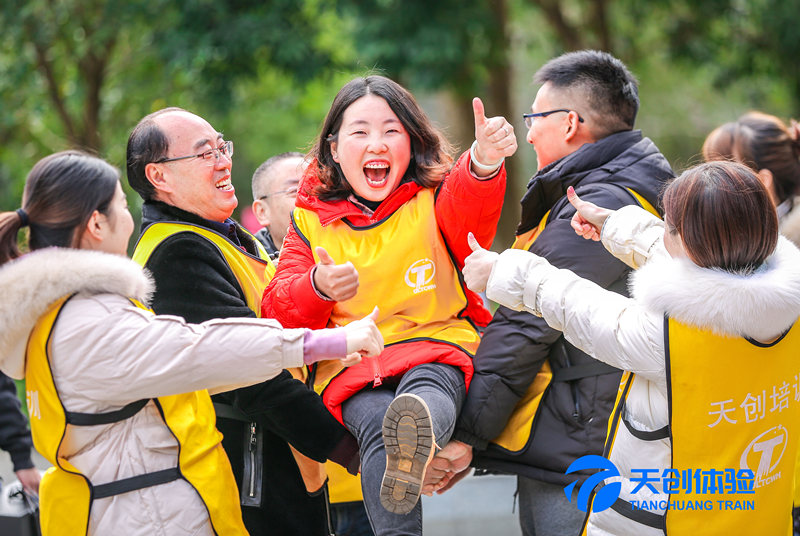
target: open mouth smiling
<point>224,184</point>
<point>376,173</point>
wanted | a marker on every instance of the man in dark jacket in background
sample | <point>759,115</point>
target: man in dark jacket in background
<point>206,266</point>
<point>536,402</point>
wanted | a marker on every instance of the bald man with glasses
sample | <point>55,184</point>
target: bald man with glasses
<point>206,266</point>
<point>274,186</point>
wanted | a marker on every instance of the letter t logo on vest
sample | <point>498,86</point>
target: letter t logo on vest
<point>765,453</point>
<point>420,274</point>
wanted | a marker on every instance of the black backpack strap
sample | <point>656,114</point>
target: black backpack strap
<point>226,411</point>
<point>576,372</point>
<point>91,419</point>
<point>644,435</point>
<point>133,483</point>
<point>126,484</point>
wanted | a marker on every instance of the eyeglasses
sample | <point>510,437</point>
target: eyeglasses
<point>211,155</point>
<point>291,192</point>
<point>529,117</point>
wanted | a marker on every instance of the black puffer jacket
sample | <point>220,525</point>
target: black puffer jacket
<point>573,415</point>
<point>194,281</point>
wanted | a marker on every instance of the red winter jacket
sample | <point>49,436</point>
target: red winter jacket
<point>463,204</point>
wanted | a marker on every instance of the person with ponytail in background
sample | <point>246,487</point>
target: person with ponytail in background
<point>771,148</point>
<point>117,395</point>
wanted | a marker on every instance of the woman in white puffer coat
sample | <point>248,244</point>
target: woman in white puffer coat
<point>96,352</point>
<point>716,274</point>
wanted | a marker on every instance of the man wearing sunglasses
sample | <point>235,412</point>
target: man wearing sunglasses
<point>581,127</point>
<point>274,191</point>
<point>206,266</point>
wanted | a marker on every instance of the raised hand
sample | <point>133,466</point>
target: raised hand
<point>589,218</point>
<point>339,282</point>
<point>363,336</point>
<point>478,265</point>
<point>495,139</point>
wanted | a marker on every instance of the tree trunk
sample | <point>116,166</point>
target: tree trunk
<point>500,102</point>
<point>571,38</point>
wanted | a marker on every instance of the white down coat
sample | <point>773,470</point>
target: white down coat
<point>106,353</point>
<point>628,333</point>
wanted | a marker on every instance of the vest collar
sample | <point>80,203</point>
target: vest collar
<point>33,282</point>
<point>760,306</point>
<point>157,211</point>
<point>330,211</point>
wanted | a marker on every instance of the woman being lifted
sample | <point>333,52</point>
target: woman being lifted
<point>382,215</point>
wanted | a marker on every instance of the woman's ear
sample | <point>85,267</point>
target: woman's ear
<point>334,154</point>
<point>94,232</point>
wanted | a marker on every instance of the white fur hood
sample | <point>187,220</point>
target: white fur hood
<point>761,305</point>
<point>34,281</point>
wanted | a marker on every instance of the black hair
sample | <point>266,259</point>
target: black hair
<point>147,143</point>
<point>610,90</point>
<point>62,191</point>
<point>431,154</point>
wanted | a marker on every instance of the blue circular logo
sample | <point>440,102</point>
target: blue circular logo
<point>606,495</point>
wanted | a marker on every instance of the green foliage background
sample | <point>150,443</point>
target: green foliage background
<point>81,73</point>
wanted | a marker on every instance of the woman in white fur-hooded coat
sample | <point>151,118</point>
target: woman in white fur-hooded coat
<point>105,353</point>
<point>760,302</point>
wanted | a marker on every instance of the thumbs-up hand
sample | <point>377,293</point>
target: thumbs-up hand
<point>495,140</point>
<point>589,218</point>
<point>478,265</point>
<point>339,282</point>
<point>363,338</point>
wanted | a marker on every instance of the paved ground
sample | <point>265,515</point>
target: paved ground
<point>475,507</point>
<point>478,505</point>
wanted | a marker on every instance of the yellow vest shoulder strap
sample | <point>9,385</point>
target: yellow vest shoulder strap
<point>252,272</point>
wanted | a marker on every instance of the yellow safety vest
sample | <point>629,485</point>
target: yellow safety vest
<point>517,432</point>
<point>733,405</point>
<point>404,263</point>
<point>253,273</point>
<point>66,495</point>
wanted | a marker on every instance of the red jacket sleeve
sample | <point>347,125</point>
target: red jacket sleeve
<point>465,204</point>
<point>290,297</point>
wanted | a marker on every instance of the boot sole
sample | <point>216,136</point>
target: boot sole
<point>408,438</point>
